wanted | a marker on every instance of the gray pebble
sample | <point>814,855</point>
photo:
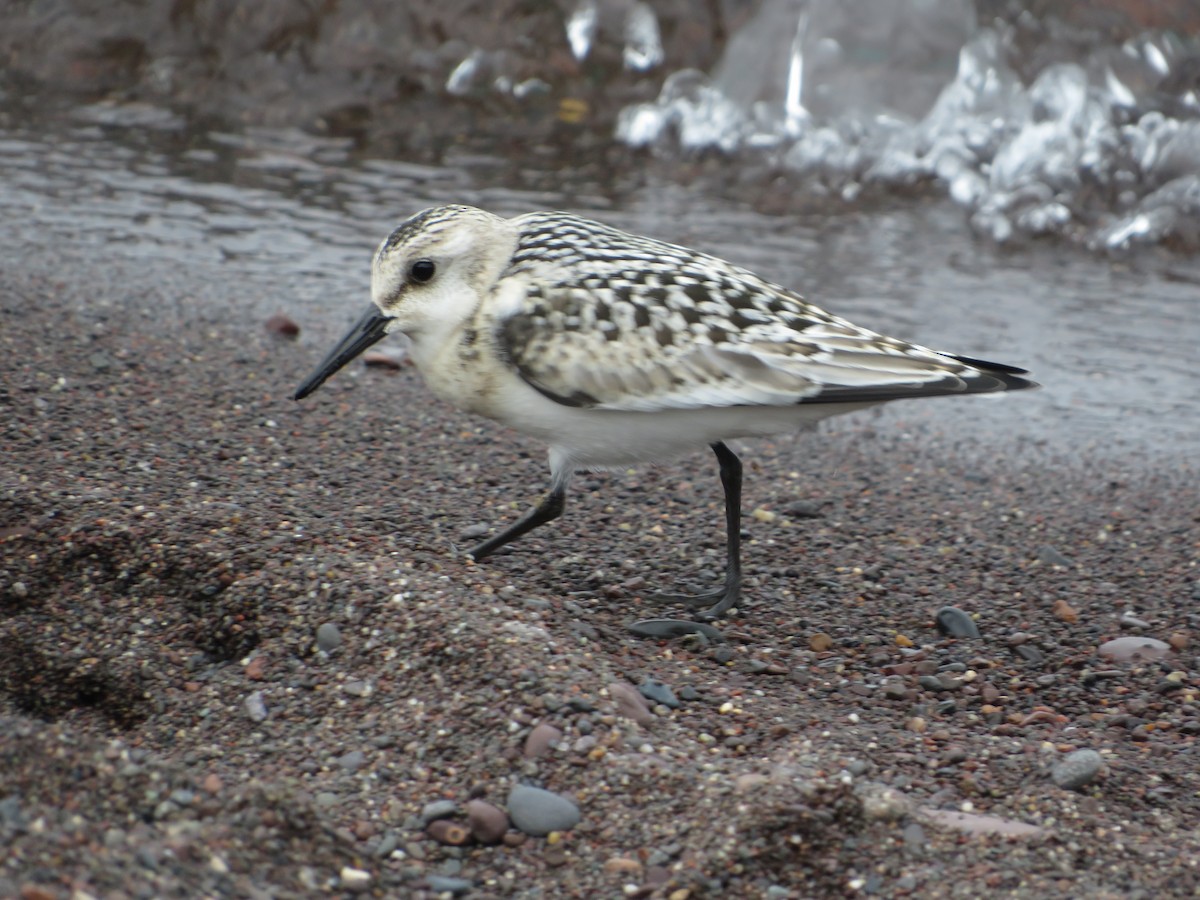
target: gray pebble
<point>357,688</point>
<point>329,636</point>
<point>539,812</point>
<point>657,692</point>
<point>803,509</point>
<point>444,884</point>
<point>1030,653</point>
<point>10,812</point>
<point>256,709</point>
<point>930,682</point>
<point>914,837</point>
<point>1052,557</point>
<point>1077,769</point>
<point>953,621</point>
<point>352,761</point>
<point>438,809</point>
<point>387,844</point>
<point>476,531</point>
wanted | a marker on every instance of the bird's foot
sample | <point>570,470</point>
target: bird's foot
<point>708,605</point>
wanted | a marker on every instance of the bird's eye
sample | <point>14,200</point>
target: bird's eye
<point>422,271</point>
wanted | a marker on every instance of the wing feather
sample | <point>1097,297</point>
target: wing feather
<point>648,326</point>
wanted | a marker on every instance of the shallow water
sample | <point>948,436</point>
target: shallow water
<point>195,224</point>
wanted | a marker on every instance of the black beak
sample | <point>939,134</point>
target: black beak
<point>371,328</point>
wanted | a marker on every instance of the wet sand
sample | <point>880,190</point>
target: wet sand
<point>174,531</point>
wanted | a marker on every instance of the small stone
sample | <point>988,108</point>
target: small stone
<point>357,688</point>
<point>355,879</point>
<point>820,642</point>
<point>881,803</point>
<point>540,740</point>
<point>657,692</point>
<point>917,724</point>
<point>256,708</point>
<point>1052,557</point>
<point>444,884</point>
<point>329,636</point>
<point>538,812</point>
<point>488,823</point>
<point>1077,769</point>
<point>976,823</point>
<point>896,690</point>
<point>1131,649</point>
<point>622,865</point>
<point>352,761</point>
<point>630,703</point>
<point>930,682</point>
<point>1178,640</point>
<point>803,509</point>
<point>374,359</point>
<point>1031,654</point>
<point>763,515</point>
<point>281,325</point>
<point>212,783</point>
<point>478,530</point>
<point>1065,612</point>
<point>1130,622</point>
<point>256,668</point>
<point>953,621</point>
<point>389,842</point>
<point>446,832</point>
<point>438,809</point>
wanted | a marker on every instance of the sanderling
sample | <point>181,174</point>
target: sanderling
<point>616,349</point>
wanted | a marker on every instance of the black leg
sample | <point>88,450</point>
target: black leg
<point>548,510</point>
<point>725,598</point>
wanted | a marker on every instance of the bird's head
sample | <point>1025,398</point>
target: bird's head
<point>428,275</point>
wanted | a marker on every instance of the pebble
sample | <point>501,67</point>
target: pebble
<point>256,708</point>
<point>630,703</point>
<point>1065,612</point>
<point>540,740</point>
<point>820,642</point>
<point>478,530</point>
<point>438,809</point>
<point>657,692</point>
<point>930,682</point>
<point>538,812</point>
<point>1130,622</point>
<point>976,823</point>
<point>1052,557</point>
<point>1030,653</point>
<point>1076,769</point>
<point>1131,648</point>
<point>352,761</point>
<point>444,884</point>
<point>374,359</point>
<point>803,509</point>
<point>953,621</point>
<point>329,636</point>
<point>355,879</point>
<point>488,823</point>
<point>282,325</point>
<point>389,842</point>
<point>446,832</point>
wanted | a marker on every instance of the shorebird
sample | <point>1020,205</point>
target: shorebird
<point>616,349</point>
